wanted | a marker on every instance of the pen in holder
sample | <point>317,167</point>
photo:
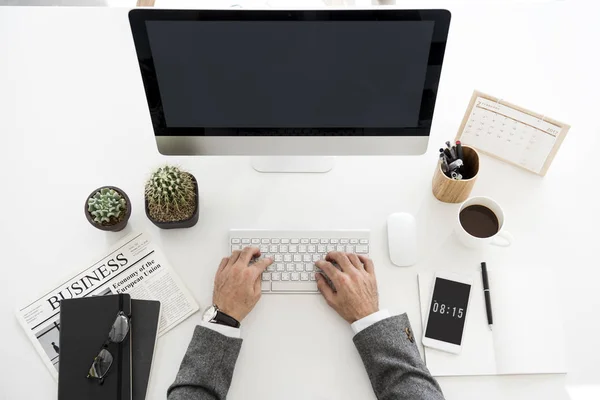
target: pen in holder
<point>451,190</point>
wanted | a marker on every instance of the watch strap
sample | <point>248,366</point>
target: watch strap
<point>223,319</point>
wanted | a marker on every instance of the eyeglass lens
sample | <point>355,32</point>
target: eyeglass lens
<point>119,329</point>
<point>101,364</point>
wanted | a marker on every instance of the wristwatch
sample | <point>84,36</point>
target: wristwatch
<point>216,316</point>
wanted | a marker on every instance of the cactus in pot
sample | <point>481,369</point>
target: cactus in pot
<point>171,197</point>
<point>108,208</point>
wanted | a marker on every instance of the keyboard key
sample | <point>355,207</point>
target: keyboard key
<point>278,258</point>
<point>334,241</point>
<point>353,241</point>
<point>276,276</point>
<point>280,267</point>
<point>304,241</point>
<point>299,267</point>
<point>264,248</point>
<point>362,249</point>
<point>311,248</point>
<point>289,267</point>
<point>265,241</point>
<point>350,249</point>
<point>236,241</point>
<point>314,241</point>
<point>302,249</point>
<point>297,257</point>
<point>273,248</point>
<point>344,241</point>
<point>255,241</point>
<point>293,248</point>
<point>312,276</point>
<point>303,276</point>
<point>265,286</point>
<point>235,247</point>
<point>324,241</point>
<point>266,276</point>
<point>294,287</point>
<point>309,267</point>
<point>271,268</point>
<point>285,241</point>
<point>275,241</point>
<point>245,241</point>
<point>295,241</point>
<point>307,258</point>
<point>340,248</point>
<point>316,257</point>
<point>364,241</point>
<point>283,248</point>
<point>330,248</point>
<point>287,257</point>
<point>294,276</point>
<point>285,276</point>
<point>321,249</point>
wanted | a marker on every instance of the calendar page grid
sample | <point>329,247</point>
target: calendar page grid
<point>510,134</point>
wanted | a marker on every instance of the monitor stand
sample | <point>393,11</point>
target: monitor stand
<point>293,163</point>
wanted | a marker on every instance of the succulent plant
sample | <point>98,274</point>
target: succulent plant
<point>170,193</point>
<point>106,206</point>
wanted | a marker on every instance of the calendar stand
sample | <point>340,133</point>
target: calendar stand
<point>511,133</point>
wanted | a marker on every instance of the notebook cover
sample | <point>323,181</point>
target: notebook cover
<point>145,316</point>
<point>84,327</point>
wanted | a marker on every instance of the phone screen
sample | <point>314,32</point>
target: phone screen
<point>448,311</point>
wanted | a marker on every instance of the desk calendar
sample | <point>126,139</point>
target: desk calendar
<point>511,133</point>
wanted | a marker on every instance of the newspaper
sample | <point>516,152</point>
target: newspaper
<point>134,266</point>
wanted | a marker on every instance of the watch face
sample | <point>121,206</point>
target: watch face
<point>209,314</point>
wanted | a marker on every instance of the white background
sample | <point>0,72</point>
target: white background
<point>73,117</point>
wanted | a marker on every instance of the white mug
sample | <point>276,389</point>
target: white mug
<point>501,238</point>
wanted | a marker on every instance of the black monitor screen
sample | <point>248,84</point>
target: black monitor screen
<point>372,74</point>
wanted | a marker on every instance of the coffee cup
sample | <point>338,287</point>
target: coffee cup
<point>480,222</point>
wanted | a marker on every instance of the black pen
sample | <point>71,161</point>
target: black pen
<point>459,150</point>
<point>451,151</point>
<point>449,157</point>
<point>486,293</point>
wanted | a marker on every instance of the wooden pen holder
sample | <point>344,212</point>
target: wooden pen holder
<point>450,190</point>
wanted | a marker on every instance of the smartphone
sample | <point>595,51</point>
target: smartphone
<point>448,310</point>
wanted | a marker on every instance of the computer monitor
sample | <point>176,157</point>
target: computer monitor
<point>284,83</point>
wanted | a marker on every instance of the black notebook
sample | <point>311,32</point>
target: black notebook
<point>145,316</point>
<point>84,326</point>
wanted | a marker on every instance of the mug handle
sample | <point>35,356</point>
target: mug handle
<point>505,237</point>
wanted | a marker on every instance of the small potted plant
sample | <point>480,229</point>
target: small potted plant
<point>108,208</point>
<point>171,198</point>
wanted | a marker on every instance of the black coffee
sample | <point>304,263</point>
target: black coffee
<point>479,221</point>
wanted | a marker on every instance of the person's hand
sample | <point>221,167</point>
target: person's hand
<point>356,288</point>
<point>237,283</point>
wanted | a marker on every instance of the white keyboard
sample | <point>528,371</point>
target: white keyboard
<point>295,253</point>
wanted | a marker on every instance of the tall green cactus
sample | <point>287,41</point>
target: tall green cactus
<point>170,194</point>
<point>106,204</point>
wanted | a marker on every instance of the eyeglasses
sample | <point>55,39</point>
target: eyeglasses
<point>103,361</point>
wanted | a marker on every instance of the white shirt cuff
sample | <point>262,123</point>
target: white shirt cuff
<point>229,331</point>
<point>369,320</point>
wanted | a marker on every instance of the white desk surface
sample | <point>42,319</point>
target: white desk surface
<point>73,117</point>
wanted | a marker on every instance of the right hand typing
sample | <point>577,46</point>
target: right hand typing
<point>356,287</point>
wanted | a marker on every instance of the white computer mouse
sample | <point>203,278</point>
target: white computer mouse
<point>402,239</point>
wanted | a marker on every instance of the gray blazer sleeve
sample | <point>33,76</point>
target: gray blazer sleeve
<point>207,367</point>
<point>393,361</point>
